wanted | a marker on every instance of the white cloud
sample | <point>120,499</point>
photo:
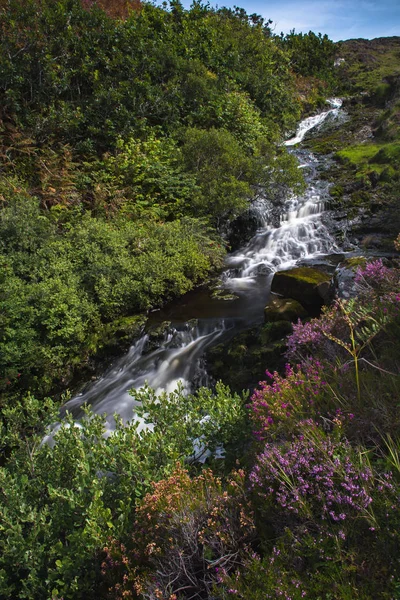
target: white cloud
<point>311,15</point>
<point>340,19</point>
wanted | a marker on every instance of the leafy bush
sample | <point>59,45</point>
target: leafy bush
<point>58,287</point>
<point>188,535</point>
<point>59,503</point>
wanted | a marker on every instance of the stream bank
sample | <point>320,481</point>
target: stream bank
<point>181,340</point>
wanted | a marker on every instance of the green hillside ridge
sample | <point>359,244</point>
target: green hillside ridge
<point>366,175</point>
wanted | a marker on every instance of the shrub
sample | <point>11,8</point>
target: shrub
<point>59,505</point>
<point>188,535</point>
<point>312,477</point>
<point>277,407</point>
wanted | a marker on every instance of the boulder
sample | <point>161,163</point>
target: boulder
<point>156,336</point>
<point>311,287</point>
<point>344,277</point>
<point>284,309</point>
<point>242,361</point>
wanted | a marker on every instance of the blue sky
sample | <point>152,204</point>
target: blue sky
<point>340,19</point>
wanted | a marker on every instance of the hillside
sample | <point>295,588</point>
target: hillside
<point>367,147</point>
<point>138,143</point>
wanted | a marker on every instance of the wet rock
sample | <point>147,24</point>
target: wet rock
<point>311,287</point>
<point>284,309</point>
<point>364,135</point>
<point>191,324</point>
<point>345,287</point>
<point>241,363</point>
<point>242,229</point>
<point>156,335</point>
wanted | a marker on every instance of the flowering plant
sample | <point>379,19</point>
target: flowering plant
<point>312,477</point>
<point>279,404</point>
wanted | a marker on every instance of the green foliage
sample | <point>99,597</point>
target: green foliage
<point>125,145</point>
<point>310,54</point>
<point>389,123</point>
<point>116,137</point>
<point>58,287</point>
<point>227,174</point>
<point>238,114</point>
<point>59,504</point>
<point>145,178</point>
<point>215,420</point>
<point>223,171</point>
<point>84,70</point>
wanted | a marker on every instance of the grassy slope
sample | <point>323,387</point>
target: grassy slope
<point>369,62</point>
<point>367,148</point>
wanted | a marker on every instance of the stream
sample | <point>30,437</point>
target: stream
<point>198,320</point>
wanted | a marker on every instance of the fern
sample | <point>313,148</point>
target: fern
<point>364,325</point>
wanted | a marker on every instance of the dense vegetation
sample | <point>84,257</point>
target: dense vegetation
<point>311,509</point>
<point>131,137</point>
<point>127,146</point>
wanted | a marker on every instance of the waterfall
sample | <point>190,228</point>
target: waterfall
<point>314,122</point>
<point>300,235</point>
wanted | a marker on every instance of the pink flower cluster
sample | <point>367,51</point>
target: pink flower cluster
<point>313,479</point>
<point>309,335</point>
<point>373,272</point>
<point>286,397</point>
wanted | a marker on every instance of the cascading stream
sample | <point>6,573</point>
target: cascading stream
<point>301,235</point>
<point>313,122</point>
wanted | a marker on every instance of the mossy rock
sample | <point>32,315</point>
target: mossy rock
<point>120,333</point>
<point>284,309</point>
<point>336,191</point>
<point>156,335</point>
<point>274,331</point>
<point>389,174</point>
<point>311,287</point>
<point>389,155</point>
<point>223,294</point>
<point>241,363</point>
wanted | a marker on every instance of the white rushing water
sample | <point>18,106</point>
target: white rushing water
<point>313,122</point>
<point>300,235</point>
<point>174,361</point>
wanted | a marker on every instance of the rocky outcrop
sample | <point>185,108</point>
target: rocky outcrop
<point>156,335</point>
<point>311,287</point>
<point>284,309</point>
<point>241,363</point>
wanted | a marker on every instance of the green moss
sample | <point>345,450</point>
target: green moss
<point>389,174</point>
<point>336,191</point>
<point>355,261</point>
<point>388,155</point>
<point>359,154</point>
<point>307,275</point>
<point>371,161</point>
